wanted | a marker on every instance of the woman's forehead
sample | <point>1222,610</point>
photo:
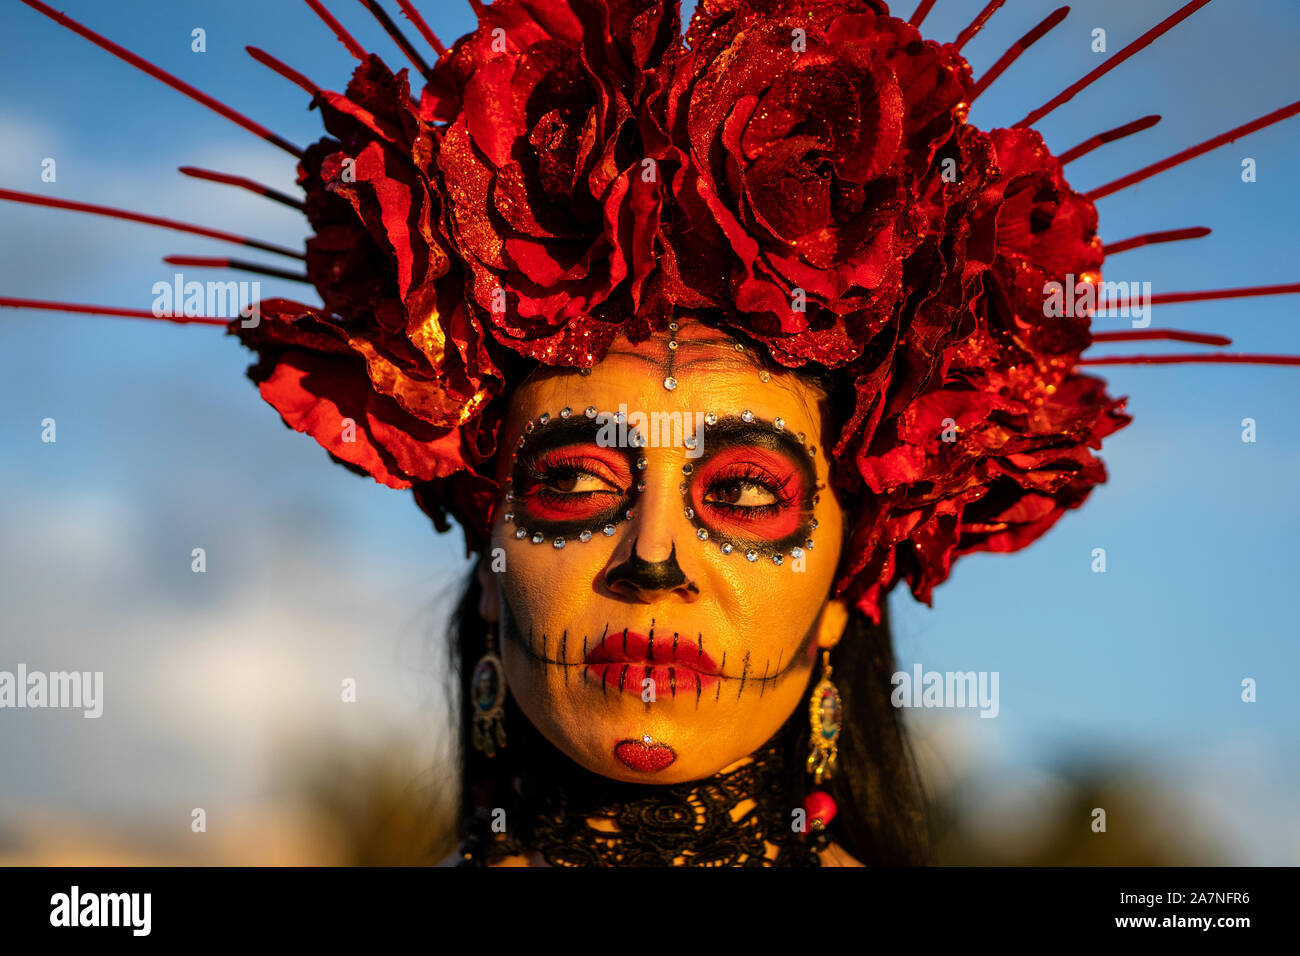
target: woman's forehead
<point>683,364</point>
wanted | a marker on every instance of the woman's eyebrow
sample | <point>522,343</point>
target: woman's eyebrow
<point>734,430</point>
<point>560,432</point>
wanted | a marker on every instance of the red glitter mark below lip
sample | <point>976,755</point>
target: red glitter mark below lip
<point>645,757</point>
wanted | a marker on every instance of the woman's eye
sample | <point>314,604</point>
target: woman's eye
<point>741,494</point>
<point>576,481</point>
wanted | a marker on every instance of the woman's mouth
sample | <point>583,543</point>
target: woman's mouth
<point>625,661</point>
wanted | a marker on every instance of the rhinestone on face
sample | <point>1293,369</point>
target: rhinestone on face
<point>796,553</point>
<point>609,530</point>
<point>765,376</point>
<point>740,347</point>
<point>510,496</point>
<point>702,534</point>
<point>726,548</point>
<point>751,555</point>
<point>640,486</point>
<point>670,383</point>
<point>710,418</point>
<point>688,468</point>
<point>802,436</point>
<point>779,424</point>
<point>640,464</point>
<point>585,536</point>
<point>590,411</point>
<point>521,533</point>
<point>747,416</point>
<point>672,326</point>
<point>681,486</point>
<point>689,441</point>
<point>543,418</point>
<point>558,543</point>
<point>510,516</point>
<point>520,442</point>
<point>628,514</point>
<point>808,544</point>
<point>566,411</point>
<point>814,524</point>
<point>690,512</point>
<point>584,371</point>
<point>538,538</point>
<point>672,344</point>
<point>778,558</point>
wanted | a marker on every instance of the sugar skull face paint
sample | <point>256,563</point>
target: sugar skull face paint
<point>660,609</point>
<point>755,488</point>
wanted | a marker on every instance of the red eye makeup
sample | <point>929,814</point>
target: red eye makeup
<point>563,484</point>
<point>754,489</point>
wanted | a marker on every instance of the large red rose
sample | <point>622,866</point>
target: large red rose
<point>803,135</point>
<point>554,206</point>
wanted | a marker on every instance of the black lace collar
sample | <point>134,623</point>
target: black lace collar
<point>547,804</point>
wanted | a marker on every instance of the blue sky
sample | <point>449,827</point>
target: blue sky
<point>163,445</point>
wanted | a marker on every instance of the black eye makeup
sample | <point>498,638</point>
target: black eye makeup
<point>749,489</point>
<point>754,490</point>
<point>564,484</point>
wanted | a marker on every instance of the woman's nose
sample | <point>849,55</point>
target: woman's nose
<point>648,580</point>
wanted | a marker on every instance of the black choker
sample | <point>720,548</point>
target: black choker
<point>553,802</point>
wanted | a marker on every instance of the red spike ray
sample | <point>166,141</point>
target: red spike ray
<point>922,11</point>
<point>1215,358</point>
<point>1150,238</point>
<point>345,38</point>
<point>1145,40</point>
<point>1017,48</point>
<point>399,38</point>
<point>429,36</point>
<point>1171,335</point>
<point>242,183</point>
<point>977,24</point>
<point>165,77</point>
<point>10,303</point>
<point>243,265</point>
<point>1244,292</point>
<point>35,199</point>
<point>477,7</point>
<point>1119,132</point>
<point>1147,172</point>
<point>290,74</point>
<point>1168,298</point>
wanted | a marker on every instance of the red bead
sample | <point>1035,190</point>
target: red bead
<point>820,808</point>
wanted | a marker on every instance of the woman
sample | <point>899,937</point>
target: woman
<point>640,642</point>
<point>706,342</point>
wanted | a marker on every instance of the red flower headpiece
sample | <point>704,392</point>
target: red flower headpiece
<point>800,172</point>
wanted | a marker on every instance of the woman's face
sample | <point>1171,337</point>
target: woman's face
<point>661,576</point>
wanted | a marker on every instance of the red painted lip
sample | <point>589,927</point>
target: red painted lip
<point>624,659</point>
<point>643,755</point>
